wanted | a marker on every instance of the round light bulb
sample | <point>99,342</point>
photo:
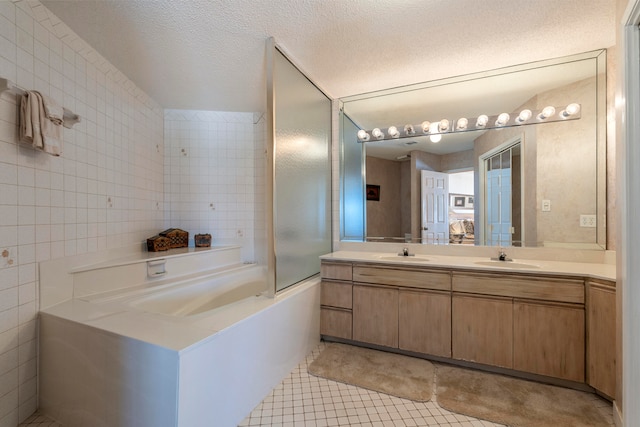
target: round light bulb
<point>426,126</point>
<point>546,113</point>
<point>409,130</point>
<point>524,116</point>
<point>444,125</point>
<point>393,132</point>
<point>462,123</point>
<point>482,121</point>
<point>571,110</point>
<point>363,135</point>
<point>377,133</point>
<point>503,119</point>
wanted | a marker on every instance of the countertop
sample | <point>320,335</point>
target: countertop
<point>558,268</point>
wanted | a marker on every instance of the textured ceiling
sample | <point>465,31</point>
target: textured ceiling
<point>210,54</point>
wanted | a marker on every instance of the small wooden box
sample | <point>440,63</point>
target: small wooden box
<point>177,238</point>
<point>158,243</point>
<point>202,240</point>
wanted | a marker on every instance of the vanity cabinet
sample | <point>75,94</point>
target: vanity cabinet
<point>549,325</point>
<point>336,302</point>
<point>601,336</point>
<point>482,329</point>
<point>532,324</point>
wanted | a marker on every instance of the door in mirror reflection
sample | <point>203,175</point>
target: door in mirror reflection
<point>503,190</point>
<point>435,201</point>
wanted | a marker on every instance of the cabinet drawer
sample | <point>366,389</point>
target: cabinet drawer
<point>336,270</point>
<point>335,322</point>
<point>534,287</point>
<point>411,278</point>
<point>336,294</point>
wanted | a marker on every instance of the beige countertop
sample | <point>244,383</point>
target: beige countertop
<point>563,268</point>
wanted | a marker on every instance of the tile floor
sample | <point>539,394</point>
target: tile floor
<point>304,400</point>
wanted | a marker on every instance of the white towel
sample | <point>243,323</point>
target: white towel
<point>40,127</point>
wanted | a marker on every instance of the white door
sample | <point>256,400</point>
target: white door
<point>435,207</point>
<point>498,199</point>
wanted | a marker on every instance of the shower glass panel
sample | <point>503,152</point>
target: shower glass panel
<point>302,174</point>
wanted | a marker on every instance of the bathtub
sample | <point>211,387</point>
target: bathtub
<point>193,350</point>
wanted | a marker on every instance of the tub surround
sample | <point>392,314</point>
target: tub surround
<point>106,362</point>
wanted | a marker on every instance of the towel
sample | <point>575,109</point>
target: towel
<point>41,121</point>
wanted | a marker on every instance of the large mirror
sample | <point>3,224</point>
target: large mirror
<point>532,183</point>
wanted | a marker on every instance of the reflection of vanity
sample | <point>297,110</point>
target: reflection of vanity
<point>554,321</point>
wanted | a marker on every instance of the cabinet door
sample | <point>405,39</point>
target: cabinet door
<point>482,330</point>
<point>601,315</point>
<point>335,322</point>
<point>425,322</point>
<point>375,315</point>
<point>549,340</point>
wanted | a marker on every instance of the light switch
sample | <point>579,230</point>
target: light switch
<point>546,205</point>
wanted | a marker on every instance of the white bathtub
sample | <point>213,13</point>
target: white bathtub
<point>202,351</point>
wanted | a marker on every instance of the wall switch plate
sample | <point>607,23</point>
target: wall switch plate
<point>588,221</point>
<point>546,205</point>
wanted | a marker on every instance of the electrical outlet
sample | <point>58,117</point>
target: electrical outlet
<point>588,221</point>
<point>546,205</point>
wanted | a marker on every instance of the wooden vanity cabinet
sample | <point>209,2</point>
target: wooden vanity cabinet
<point>336,303</point>
<point>601,336</point>
<point>549,339</point>
<point>482,329</point>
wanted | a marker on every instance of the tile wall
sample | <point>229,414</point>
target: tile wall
<point>105,191</point>
<point>213,176</point>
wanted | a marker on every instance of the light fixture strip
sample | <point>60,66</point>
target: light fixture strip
<point>498,121</point>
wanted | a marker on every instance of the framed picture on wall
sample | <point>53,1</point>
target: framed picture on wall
<point>461,201</point>
<point>373,192</point>
<point>469,202</point>
<point>458,201</point>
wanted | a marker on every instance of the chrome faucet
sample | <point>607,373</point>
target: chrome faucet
<point>405,251</point>
<point>502,255</point>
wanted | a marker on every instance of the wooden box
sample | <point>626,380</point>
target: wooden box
<point>158,243</point>
<point>177,238</point>
<point>202,240</point>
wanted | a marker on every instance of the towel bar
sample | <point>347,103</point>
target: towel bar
<point>70,118</point>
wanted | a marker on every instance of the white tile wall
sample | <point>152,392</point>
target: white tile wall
<point>105,191</point>
<point>212,184</point>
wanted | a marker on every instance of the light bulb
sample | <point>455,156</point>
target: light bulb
<point>409,130</point>
<point>482,121</point>
<point>546,113</point>
<point>377,133</point>
<point>503,119</point>
<point>434,129</point>
<point>523,116</point>
<point>462,123</point>
<point>393,132</point>
<point>443,125</point>
<point>363,135</point>
<point>572,109</point>
<point>426,126</point>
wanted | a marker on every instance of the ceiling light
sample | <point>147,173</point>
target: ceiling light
<point>482,121</point>
<point>503,119</point>
<point>523,116</point>
<point>377,133</point>
<point>546,113</point>
<point>393,132</point>
<point>363,135</point>
<point>462,123</point>
<point>571,110</point>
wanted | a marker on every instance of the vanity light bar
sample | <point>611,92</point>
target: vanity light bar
<point>548,114</point>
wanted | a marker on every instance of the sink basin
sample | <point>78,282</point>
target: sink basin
<point>413,258</point>
<point>506,264</point>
